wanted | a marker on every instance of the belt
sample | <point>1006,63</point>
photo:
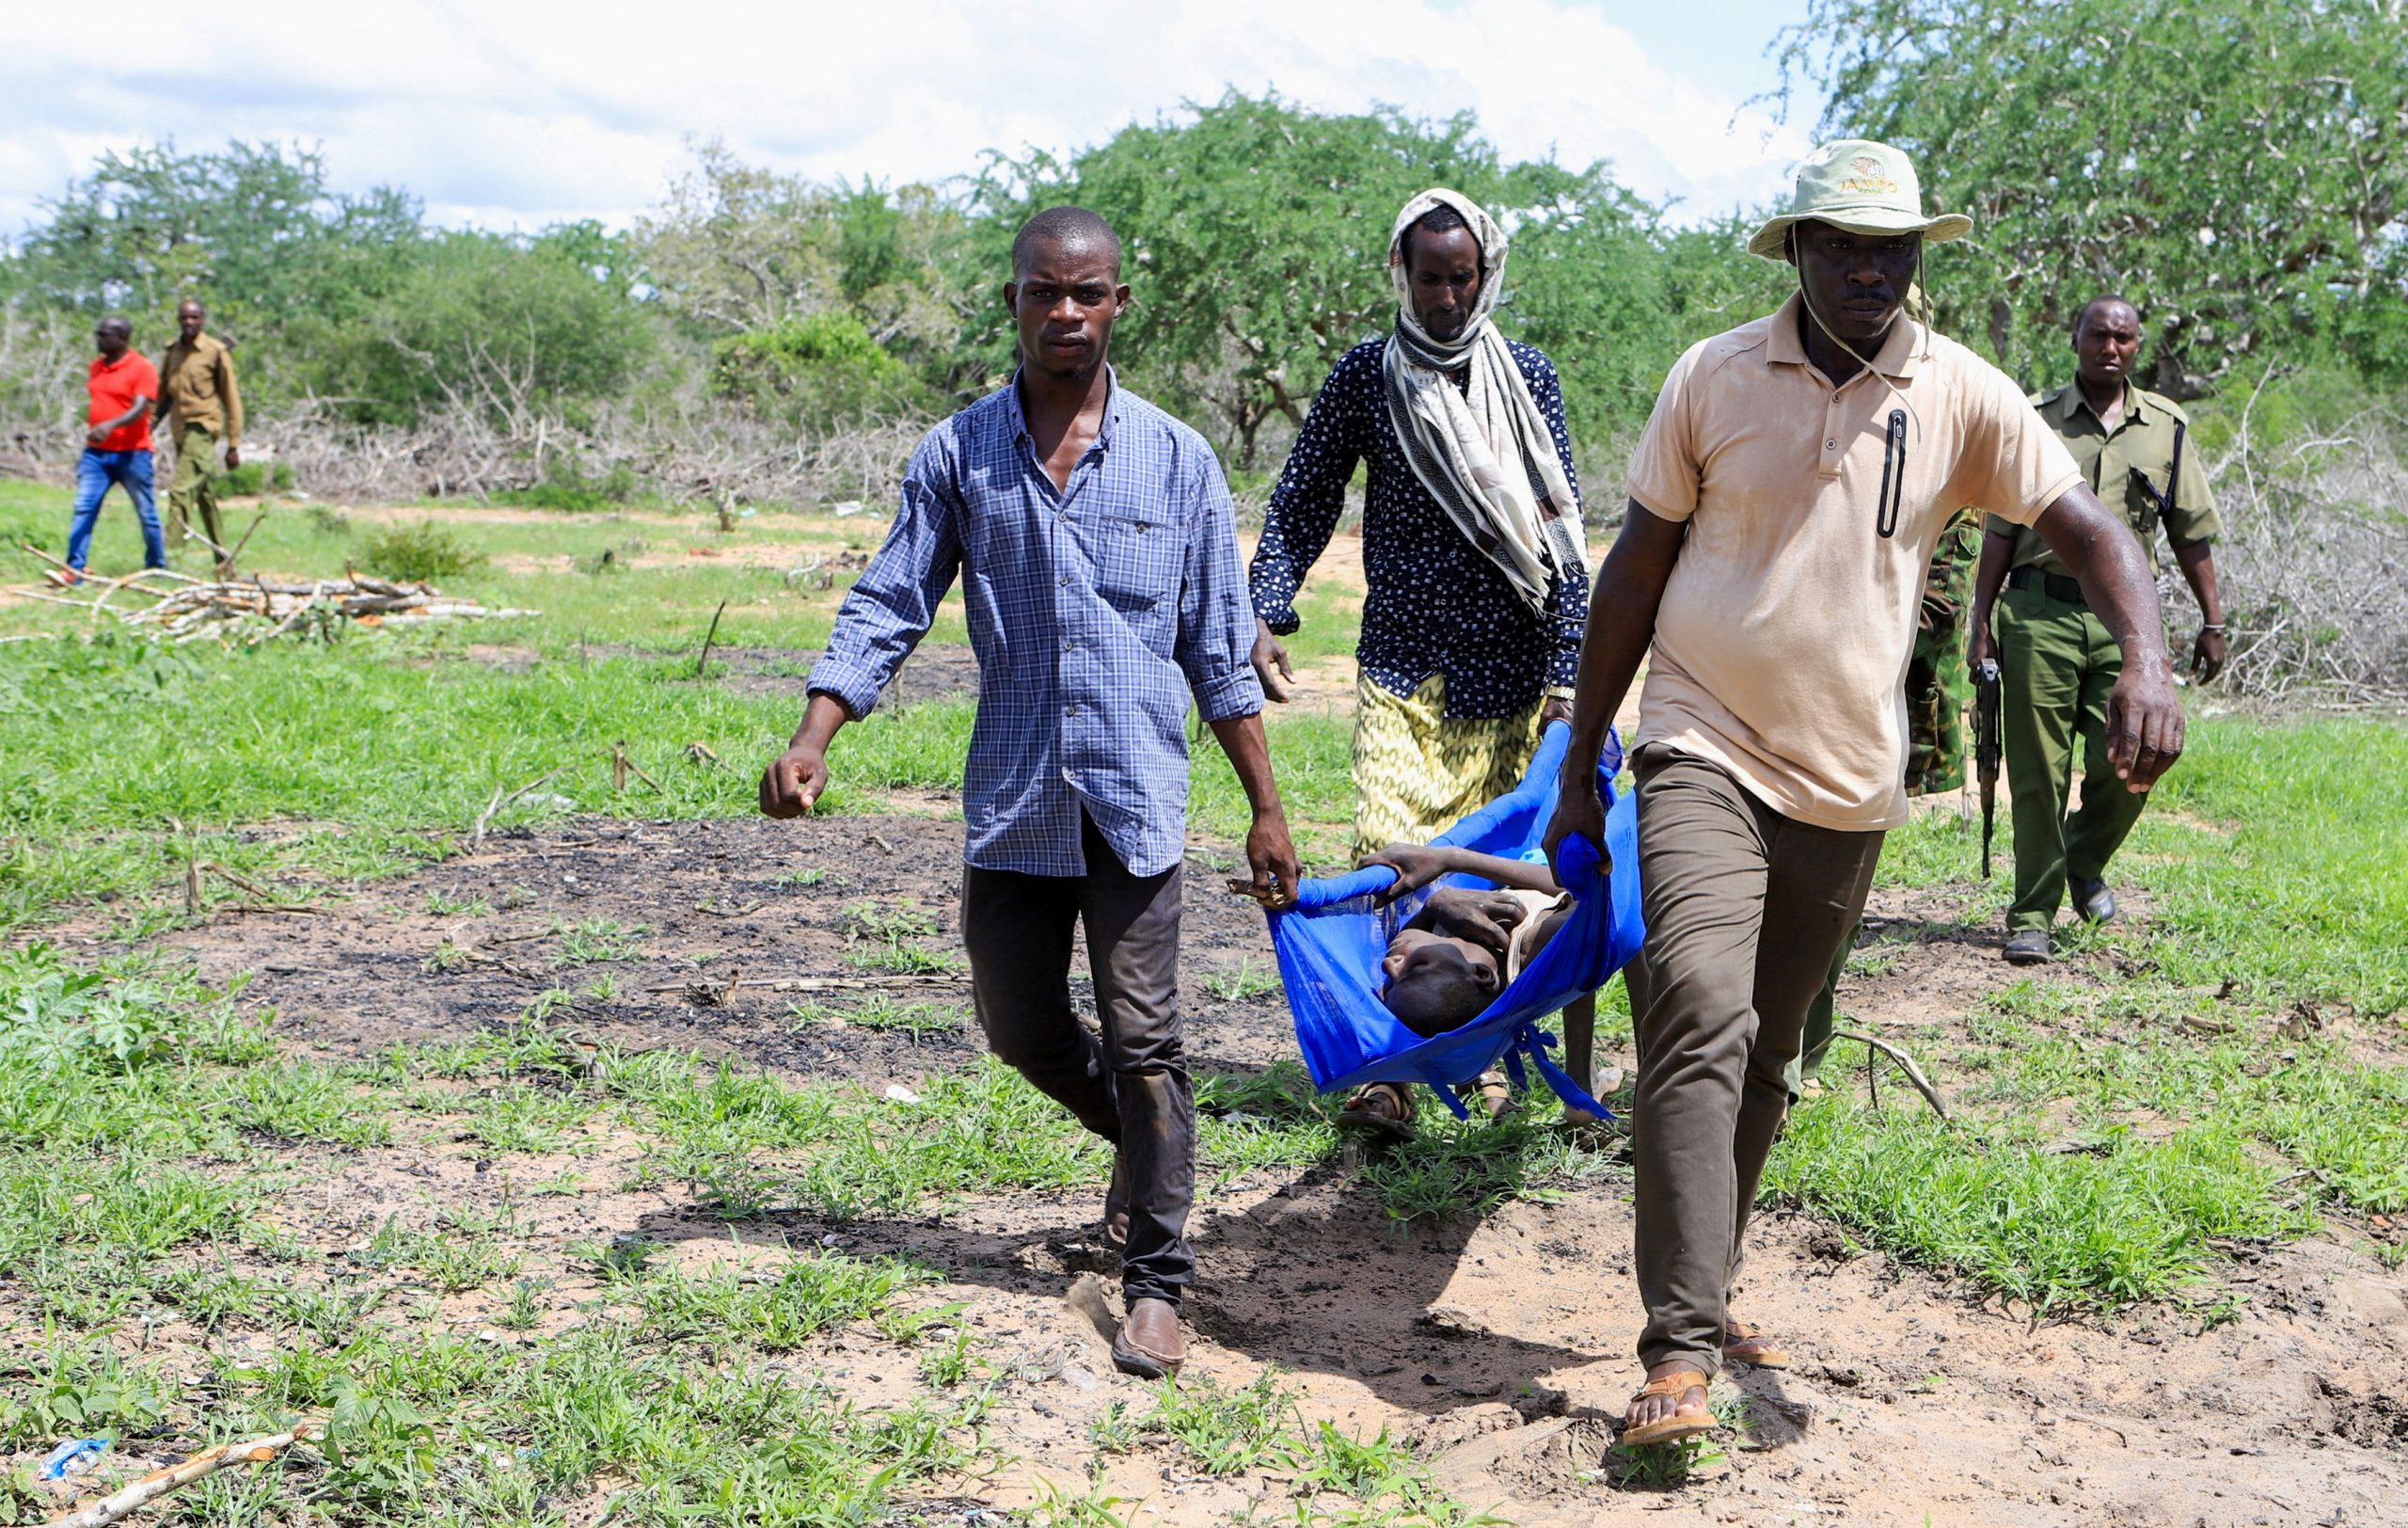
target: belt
<point>2055,585</point>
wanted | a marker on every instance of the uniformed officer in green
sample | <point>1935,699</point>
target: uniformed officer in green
<point>197,388</point>
<point>2057,662</point>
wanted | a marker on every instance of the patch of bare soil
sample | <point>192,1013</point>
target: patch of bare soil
<point>707,935</point>
<point>1500,1343</point>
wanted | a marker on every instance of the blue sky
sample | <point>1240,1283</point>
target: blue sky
<point>518,113</point>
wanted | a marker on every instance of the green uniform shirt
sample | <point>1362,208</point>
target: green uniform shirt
<point>2128,467</point>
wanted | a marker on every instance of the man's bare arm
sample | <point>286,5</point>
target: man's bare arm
<point>2198,562</point>
<point>1269,853</point>
<point>97,433</point>
<point>2144,714</point>
<point>1990,577</point>
<point>792,783</point>
<point>1621,622</point>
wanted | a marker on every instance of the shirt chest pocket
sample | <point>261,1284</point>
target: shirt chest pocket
<point>2144,501</point>
<point>1137,562</point>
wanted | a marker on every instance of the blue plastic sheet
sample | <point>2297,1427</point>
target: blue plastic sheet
<point>1330,946</point>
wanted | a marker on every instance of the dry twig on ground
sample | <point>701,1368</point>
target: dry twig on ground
<point>124,1503</point>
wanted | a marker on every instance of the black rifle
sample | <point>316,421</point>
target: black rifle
<point>1990,746</point>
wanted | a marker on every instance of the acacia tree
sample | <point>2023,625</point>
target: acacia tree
<point>735,250</point>
<point>2235,167</point>
<point>1256,233</point>
<point>286,265</point>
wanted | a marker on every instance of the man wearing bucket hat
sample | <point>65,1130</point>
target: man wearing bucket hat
<point>1474,559</point>
<point>1785,503</point>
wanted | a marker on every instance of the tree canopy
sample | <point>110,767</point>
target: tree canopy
<point>2235,167</point>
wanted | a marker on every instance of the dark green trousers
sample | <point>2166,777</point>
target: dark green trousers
<point>2058,664</point>
<point>1822,1018</point>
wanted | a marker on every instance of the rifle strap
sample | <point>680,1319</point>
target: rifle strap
<point>2174,474</point>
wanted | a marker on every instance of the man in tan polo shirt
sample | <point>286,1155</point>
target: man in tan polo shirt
<point>1784,502</point>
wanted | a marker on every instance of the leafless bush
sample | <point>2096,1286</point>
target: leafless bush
<point>706,451</point>
<point>2314,562</point>
<point>42,356</point>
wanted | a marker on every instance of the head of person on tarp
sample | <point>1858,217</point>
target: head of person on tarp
<point>1463,945</point>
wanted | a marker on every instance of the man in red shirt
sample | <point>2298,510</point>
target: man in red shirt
<point>117,447</point>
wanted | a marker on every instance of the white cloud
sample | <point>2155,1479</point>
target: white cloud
<point>522,114</point>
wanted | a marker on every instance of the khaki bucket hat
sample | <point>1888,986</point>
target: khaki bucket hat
<point>1862,186</point>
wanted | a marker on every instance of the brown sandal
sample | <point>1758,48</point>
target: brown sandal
<point>1496,1095</point>
<point>1676,1428</point>
<point>1383,1107</point>
<point>1744,1344</point>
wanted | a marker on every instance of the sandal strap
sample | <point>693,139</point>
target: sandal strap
<point>1673,1384</point>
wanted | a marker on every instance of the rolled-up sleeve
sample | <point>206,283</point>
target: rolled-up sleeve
<point>893,604</point>
<point>1216,618</point>
<point>2194,518</point>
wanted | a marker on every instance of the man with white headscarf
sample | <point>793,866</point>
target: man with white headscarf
<point>1475,566</point>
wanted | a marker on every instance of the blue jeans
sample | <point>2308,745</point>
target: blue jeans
<point>129,470</point>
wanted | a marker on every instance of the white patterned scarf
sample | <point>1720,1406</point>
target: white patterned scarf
<point>1482,449</point>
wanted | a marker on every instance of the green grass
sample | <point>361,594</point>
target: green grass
<point>105,745</point>
<point>2221,1074</point>
<point>647,594</point>
<point>654,1390</point>
<point>2113,1135</point>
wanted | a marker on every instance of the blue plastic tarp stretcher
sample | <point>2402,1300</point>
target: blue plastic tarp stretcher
<point>1330,946</point>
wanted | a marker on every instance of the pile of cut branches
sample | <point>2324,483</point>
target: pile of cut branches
<point>247,612</point>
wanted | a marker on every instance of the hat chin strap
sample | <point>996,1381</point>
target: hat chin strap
<point>1806,300</point>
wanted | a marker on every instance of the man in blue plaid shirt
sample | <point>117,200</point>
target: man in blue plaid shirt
<point>1100,570</point>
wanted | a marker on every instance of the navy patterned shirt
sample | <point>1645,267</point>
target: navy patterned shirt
<point>1096,610</point>
<point>1437,604</point>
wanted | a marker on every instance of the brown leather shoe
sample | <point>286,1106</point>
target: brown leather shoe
<point>1151,1343</point>
<point>1115,1206</point>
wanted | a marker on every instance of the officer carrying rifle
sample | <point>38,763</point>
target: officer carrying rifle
<point>2057,662</point>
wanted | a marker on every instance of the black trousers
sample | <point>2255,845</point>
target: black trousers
<point>1133,1087</point>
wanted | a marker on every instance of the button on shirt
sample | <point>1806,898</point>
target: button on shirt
<point>1782,639</point>
<point>2129,467</point>
<point>1435,603</point>
<point>1096,612</point>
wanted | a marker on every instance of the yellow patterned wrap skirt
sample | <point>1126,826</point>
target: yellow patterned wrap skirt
<point>1417,773</point>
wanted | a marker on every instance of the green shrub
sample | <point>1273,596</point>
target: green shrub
<point>252,479</point>
<point>819,369</point>
<point>416,553</point>
<point>566,487</point>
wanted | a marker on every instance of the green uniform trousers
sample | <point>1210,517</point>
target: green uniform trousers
<point>193,491</point>
<point>2057,666</point>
